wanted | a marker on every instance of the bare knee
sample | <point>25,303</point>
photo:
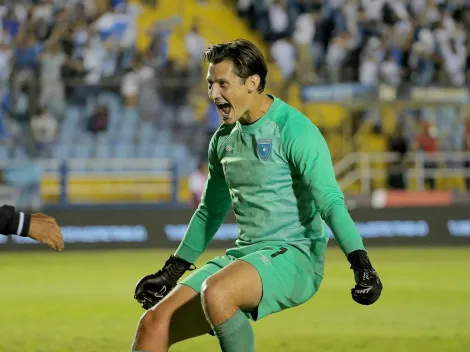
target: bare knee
<point>213,293</point>
<point>156,320</point>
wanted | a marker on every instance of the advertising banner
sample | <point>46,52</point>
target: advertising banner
<point>339,92</point>
<point>120,228</point>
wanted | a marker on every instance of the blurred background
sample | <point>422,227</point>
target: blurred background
<point>104,102</point>
<point>105,123</point>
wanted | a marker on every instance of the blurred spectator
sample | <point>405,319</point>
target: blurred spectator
<point>5,62</point>
<point>27,52</point>
<point>284,55</point>
<point>159,34</point>
<point>98,121</point>
<point>148,100</point>
<point>52,88</point>
<point>4,133</point>
<point>18,105</point>
<point>369,71</point>
<point>421,64</point>
<point>212,121</point>
<point>336,55</point>
<point>426,142</point>
<point>396,176</point>
<point>130,85</point>
<point>279,21</point>
<point>398,143</point>
<point>195,45</point>
<point>174,89</point>
<point>44,131</point>
<point>390,72</point>
<point>72,68</point>
<point>197,181</point>
<point>455,59</point>
<point>467,149</point>
<point>304,33</point>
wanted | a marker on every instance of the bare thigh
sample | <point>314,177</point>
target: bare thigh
<point>236,286</point>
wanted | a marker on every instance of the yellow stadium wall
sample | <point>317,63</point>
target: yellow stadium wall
<point>91,189</point>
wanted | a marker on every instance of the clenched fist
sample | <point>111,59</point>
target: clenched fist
<point>368,286</point>
<point>44,228</point>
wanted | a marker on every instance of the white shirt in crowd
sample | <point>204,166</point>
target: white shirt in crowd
<point>454,63</point>
<point>399,7</point>
<point>304,29</point>
<point>369,71</point>
<point>335,4</point>
<point>197,181</point>
<point>244,5</point>
<point>283,54</point>
<point>195,46</point>
<point>5,57</point>
<point>278,18</point>
<point>337,51</point>
<point>390,72</point>
<point>373,8</point>
<point>44,128</point>
<point>92,60</point>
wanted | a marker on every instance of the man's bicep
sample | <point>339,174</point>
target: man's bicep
<point>216,196</point>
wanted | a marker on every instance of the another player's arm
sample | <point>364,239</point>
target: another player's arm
<point>39,227</point>
<point>13,222</point>
<point>204,224</point>
<point>307,151</point>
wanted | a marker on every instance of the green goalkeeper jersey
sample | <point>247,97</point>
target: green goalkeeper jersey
<point>278,176</point>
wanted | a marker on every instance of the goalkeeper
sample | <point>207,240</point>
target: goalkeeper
<point>273,166</point>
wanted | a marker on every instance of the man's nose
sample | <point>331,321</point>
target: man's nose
<point>214,92</point>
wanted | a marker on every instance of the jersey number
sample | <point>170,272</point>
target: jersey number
<point>282,250</point>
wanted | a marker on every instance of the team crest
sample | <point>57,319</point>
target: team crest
<point>264,148</point>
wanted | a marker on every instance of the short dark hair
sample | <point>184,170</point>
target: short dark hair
<point>246,58</point>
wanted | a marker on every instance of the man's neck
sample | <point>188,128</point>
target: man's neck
<point>257,110</point>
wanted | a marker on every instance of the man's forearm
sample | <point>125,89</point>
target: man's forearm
<point>202,229</point>
<point>344,229</point>
<point>13,222</point>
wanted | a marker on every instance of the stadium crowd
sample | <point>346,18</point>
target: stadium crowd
<point>58,53</point>
<point>370,41</point>
<point>55,53</point>
<point>397,43</point>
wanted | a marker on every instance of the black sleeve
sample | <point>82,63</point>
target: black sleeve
<point>13,222</point>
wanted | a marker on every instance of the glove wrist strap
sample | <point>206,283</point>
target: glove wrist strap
<point>175,268</point>
<point>359,260</point>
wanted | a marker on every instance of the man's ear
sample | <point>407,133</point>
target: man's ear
<point>253,83</point>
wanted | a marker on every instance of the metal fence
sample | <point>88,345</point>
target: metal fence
<point>364,172</point>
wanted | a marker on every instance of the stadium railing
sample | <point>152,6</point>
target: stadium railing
<point>364,172</point>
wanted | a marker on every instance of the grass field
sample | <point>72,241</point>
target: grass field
<point>82,301</point>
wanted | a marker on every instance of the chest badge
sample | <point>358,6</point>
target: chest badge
<point>264,148</point>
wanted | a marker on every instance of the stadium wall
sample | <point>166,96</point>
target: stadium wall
<point>115,228</point>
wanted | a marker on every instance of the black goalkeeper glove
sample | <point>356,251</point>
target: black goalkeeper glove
<point>152,288</point>
<point>368,285</point>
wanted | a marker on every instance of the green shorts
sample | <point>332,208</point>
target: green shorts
<point>287,276</point>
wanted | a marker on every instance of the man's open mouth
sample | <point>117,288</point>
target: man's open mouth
<point>224,108</point>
